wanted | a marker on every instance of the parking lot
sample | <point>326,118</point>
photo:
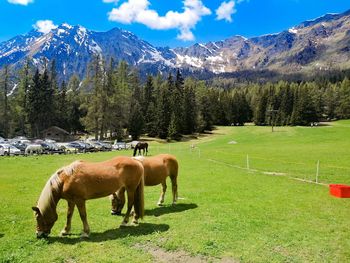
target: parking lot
<point>24,146</point>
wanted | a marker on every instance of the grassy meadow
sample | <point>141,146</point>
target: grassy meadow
<point>226,212</point>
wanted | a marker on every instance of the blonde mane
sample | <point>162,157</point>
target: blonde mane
<point>69,169</point>
<point>47,202</point>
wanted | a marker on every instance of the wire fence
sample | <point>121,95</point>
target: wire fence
<point>311,171</point>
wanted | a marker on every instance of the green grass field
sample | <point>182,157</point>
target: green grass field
<point>226,212</point>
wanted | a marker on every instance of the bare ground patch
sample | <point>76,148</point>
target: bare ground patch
<point>162,255</point>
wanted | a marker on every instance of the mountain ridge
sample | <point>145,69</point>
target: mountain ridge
<point>322,43</point>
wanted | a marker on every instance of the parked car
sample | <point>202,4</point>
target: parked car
<point>55,148</point>
<point>2,139</point>
<point>8,149</point>
<point>51,148</point>
<point>78,147</point>
<point>50,141</point>
<point>97,146</point>
<point>19,145</point>
<point>87,146</point>
<point>67,148</point>
<point>19,138</point>
<point>121,146</point>
<point>106,146</point>
<point>25,141</point>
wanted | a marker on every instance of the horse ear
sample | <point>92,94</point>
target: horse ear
<point>36,209</point>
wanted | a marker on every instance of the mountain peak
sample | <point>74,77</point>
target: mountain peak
<point>315,44</point>
<point>66,25</point>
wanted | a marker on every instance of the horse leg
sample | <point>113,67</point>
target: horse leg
<point>162,194</point>
<point>83,216</point>
<point>67,227</point>
<point>174,189</point>
<point>130,205</point>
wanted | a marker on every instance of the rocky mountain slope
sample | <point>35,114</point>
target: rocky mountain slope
<point>322,44</point>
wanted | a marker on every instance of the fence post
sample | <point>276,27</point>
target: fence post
<point>248,162</point>
<point>317,170</point>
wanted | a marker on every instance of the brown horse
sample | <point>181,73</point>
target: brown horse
<point>156,170</point>
<point>81,181</point>
<point>141,146</point>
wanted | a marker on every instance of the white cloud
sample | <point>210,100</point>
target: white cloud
<point>226,10</point>
<point>20,2</point>
<point>139,11</point>
<point>110,1</point>
<point>44,26</point>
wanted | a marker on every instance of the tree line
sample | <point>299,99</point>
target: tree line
<point>112,102</point>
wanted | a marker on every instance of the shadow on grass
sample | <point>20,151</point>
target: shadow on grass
<point>158,211</point>
<point>1,235</point>
<point>142,229</point>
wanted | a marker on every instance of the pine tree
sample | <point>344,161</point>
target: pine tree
<point>74,111</point>
<point>261,108</point>
<point>22,97</point>
<point>149,107</point>
<point>34,104</point>
<point>92,105</point>
<point>5,110</point>
<point>136,121</point>
<point>47,114</point>
<point>331,101</point>
<point>178,104</point>
<point>190,109</point>
<point>343,110</point>
<point>165,107</point>
<point>62,105</point>
<point>172,129</point>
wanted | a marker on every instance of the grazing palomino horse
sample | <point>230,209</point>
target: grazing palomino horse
<point>81,181</point>
<point>141,146</point>
<point>156,170</point>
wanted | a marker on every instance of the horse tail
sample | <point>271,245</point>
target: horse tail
<point>139,202</point>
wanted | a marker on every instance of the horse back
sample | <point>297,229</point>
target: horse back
<point>94,180</point>
<point>158,168</point>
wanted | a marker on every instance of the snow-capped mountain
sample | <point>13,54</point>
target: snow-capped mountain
<point>321,44</point>
<point>73,47</point>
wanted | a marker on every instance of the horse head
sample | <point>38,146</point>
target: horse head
<point>44,223</point>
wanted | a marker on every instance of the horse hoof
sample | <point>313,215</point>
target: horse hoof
<point>115,213</point>
<point>135,223</point>
<point>64,233</point>
<point>84,235</point>
<point>160,204</point>
<point>123,224</point>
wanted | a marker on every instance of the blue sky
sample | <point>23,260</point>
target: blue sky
<point>167,22</point>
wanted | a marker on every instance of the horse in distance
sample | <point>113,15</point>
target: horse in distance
<point>81,181</point>
<point>141,146</point>
<point>156,171</point>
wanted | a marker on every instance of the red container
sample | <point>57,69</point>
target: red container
<point>339,190</point>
